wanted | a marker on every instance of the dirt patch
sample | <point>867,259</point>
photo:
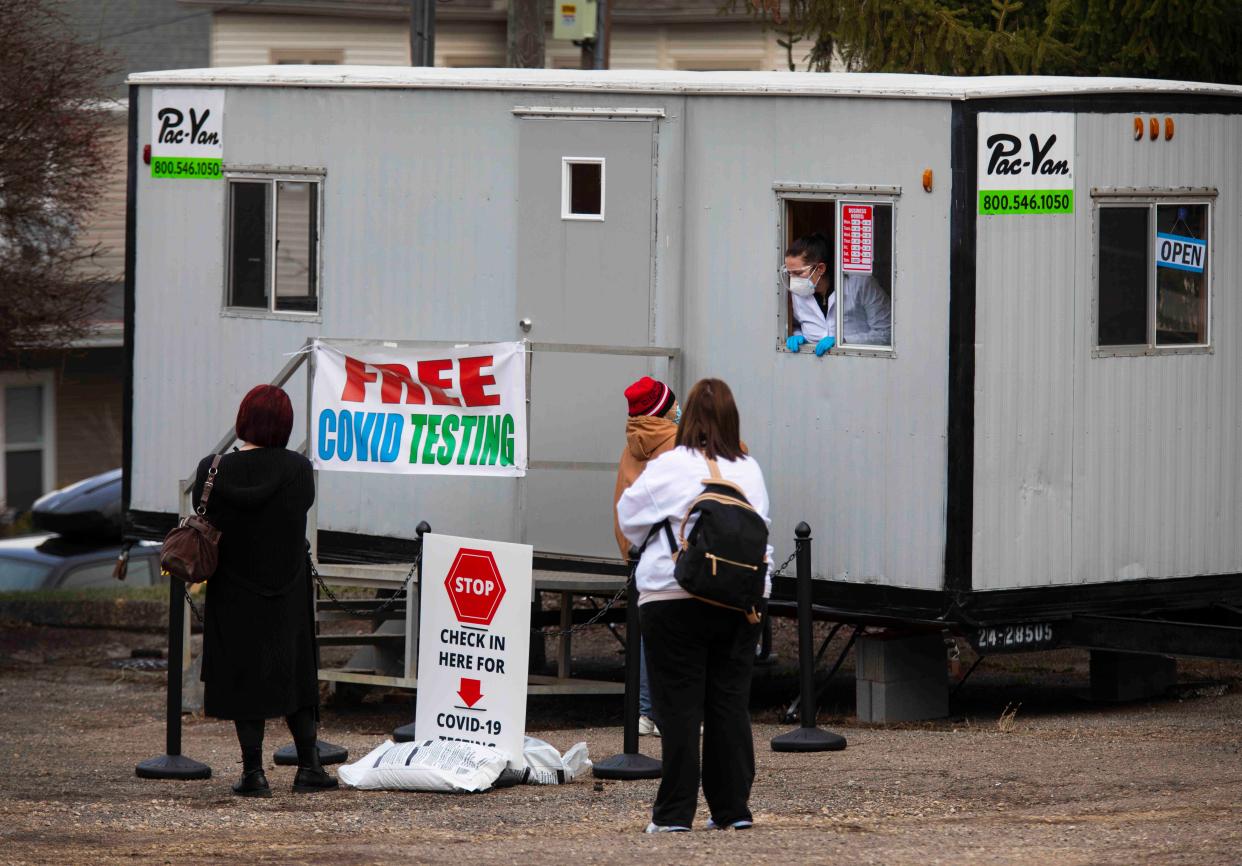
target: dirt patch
<point>1060,781</point>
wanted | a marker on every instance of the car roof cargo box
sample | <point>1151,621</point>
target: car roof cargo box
<point>89,509</point>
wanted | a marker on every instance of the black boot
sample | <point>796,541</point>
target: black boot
<point>311,779</point>
<point>253,783</point>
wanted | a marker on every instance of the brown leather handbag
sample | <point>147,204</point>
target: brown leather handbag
<point>191,549</point>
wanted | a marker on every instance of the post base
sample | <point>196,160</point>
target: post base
<point>172,767</point>
<point>808,740</point>
<point>625,767</point>
<point>404,734</point>
<point>329,753</point>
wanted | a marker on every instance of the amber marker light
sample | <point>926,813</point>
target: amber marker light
<point>927,180</point>
<point>1138,128</point>
<point>1154,125</point>
<point>1168,128</point>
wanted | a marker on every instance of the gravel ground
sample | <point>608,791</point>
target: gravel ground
<point>1064,781</point>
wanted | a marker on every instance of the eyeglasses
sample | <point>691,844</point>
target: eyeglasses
<point>803,272</point>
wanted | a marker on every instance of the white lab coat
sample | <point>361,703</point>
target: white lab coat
<point>665,489</point>
<point>867,314</point>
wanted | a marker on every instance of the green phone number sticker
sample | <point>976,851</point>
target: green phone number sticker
<point>1011,201</point>
<point>186,167</point>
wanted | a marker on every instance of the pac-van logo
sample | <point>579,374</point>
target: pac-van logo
<point>1007,156</point>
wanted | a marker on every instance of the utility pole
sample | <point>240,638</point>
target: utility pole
<point>422,32</point>
<point>595,52</point>
<point>525,48</point>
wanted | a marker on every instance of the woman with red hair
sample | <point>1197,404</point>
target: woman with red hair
<point>260,658</point>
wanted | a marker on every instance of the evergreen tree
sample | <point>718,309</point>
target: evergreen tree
<point>1180,39</point>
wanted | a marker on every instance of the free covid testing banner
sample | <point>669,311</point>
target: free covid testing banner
<point>441,411</point>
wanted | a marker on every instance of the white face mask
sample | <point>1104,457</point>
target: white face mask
<point>801,286</point>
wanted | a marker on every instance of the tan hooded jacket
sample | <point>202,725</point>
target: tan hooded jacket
<point>646,437</point>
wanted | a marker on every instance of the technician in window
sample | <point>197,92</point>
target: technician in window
<point>866,317</point>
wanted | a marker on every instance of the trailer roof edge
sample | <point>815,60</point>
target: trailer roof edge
<point>843,84</point>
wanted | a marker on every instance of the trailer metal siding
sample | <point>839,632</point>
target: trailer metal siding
<point>1024,379</point>
<point>1094,469</point>
<point>853,445</point>
<point>396,225</point>
<point>1156,445</point>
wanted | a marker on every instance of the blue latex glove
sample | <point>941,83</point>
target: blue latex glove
<point>795,342</point>
<point>824,345</point>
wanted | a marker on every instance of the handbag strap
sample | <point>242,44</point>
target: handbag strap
<point>212,472</point>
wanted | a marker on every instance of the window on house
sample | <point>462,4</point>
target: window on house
<point>836,274</point>
<point>273,244</point>
<point>582,188</point>
<point>26,473</point>
<point>1152,274</point>
<point>307,56</point>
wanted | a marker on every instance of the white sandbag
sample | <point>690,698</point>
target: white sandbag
<point>546,766</point>
<point>427,765</point>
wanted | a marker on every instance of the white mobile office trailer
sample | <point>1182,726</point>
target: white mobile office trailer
<point>1050,425</point>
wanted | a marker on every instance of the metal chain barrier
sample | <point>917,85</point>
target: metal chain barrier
<point>780,572</point>
<point>397,596</point>
<point>194,608</point>
<point>599,614</point>
<point>565,632</point>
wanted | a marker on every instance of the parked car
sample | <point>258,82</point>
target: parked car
<point>89,509</point>
<point>54,562</point>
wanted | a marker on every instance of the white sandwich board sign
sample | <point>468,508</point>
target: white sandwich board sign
<point>474,639</point>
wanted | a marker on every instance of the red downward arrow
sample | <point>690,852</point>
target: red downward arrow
<point>470,691</point>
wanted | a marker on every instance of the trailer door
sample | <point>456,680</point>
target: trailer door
<point>586,220</point>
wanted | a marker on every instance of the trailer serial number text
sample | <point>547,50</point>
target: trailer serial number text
<point>1015,636</point>
<point>1026,202</point>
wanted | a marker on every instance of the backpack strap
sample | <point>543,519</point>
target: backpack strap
<point>667,527</point>
<point>717,479</point>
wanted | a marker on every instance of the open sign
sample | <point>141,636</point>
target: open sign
<point>1180,252</point>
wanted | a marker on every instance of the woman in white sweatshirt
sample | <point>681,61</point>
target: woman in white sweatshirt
<point>699,656</point>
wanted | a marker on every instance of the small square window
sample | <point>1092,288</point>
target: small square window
<point>582,188</point>
<point>273,244</point>
<point>1152,274</point>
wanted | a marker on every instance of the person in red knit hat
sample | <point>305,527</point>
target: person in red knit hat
<point>650,430</point>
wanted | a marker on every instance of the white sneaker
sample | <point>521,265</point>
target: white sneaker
<point>741,824</point>
<point>647,727</point>
<point>666,828</point>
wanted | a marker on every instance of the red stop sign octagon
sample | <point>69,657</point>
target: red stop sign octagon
<point>474,586</point>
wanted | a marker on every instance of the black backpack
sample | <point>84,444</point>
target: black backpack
<point>724,560</point>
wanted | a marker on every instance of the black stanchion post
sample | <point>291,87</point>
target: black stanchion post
<point>405,733</point>
<point>630,764</point>
<point>172,764</point>
<point>807,737</point>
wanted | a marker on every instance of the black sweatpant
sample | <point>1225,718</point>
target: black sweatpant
<point>699,662</point>
<point>301,725</point>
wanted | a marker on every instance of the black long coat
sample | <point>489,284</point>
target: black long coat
<point>260,658</point>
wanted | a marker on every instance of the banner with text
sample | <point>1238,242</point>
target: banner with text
<point>187,133</point>
<point>441,411</point>
<point>1026,163</point>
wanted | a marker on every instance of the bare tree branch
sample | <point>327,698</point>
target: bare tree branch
<point>52,170</point>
